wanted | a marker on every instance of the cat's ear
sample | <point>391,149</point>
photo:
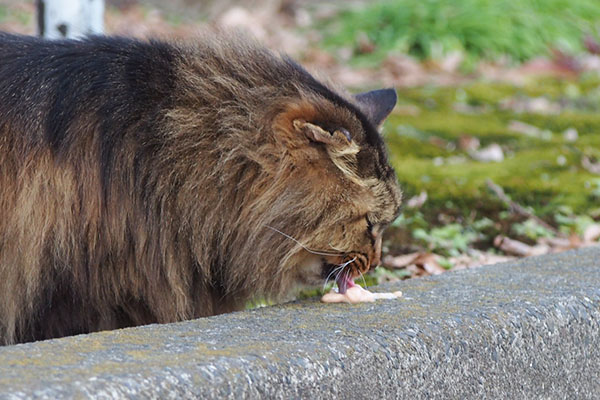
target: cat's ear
<point>315,133</point>
<point>377,104</point>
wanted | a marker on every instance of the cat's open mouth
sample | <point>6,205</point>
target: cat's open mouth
<point>348,291</point>
<point>344,278</point>
<point>344,283</point>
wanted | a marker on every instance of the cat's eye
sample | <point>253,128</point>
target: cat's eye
<point>345,132</point>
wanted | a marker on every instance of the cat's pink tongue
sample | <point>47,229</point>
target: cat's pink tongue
<point>343,283</point>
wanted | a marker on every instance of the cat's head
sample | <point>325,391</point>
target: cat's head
<point>341,193</point>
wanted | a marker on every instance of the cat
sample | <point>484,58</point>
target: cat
<point>151,182</point>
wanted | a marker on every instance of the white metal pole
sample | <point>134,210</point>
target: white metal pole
<point>70,18</point>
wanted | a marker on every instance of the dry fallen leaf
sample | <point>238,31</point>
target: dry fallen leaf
<point>417,201</point>
<point>398,262</point>
<point>364,45</point>
<point>512,246</point>
<point>575,241</point>
<point>591,233</point>
<point>557,243</point>
<point>452,61</point>
<point>429,263</point>
<point>418,264</point>
<point>591,44</point>
<point>477,259</point>
<point>468,143</point>
<point>416,271</point>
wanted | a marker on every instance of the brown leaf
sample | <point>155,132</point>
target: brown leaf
<point>591,44</point>
<point>417,201</point>
<point>364,44</point>
<point>591,233</point>
<point>557,243</point>
<point>399,262</point>
<point>428,261</point>
<point>518,248</point>
<point>511,246</point>
<point>575,241</point>
<point>477,259</point>
<point>416,271</point>
<point>452,61</point>
<point>468,143</point>
<point>433,268</point>
<point>418,264</point>
<point>565,61</point>
<point>399,65</point>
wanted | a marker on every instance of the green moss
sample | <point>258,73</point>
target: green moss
<point>585,123</point>
<point>415,147</point>
<point>482,93</point>
<point>554,87</point>
<point>532,178</point>
<point>544,174</point>
<point>449,125</point>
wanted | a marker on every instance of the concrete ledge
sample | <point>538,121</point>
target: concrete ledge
<point>529,329</point>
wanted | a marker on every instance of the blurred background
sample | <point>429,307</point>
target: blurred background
<point>496,136</point>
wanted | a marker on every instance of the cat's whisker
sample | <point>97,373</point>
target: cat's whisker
<point>334,248</point>
<point>363,279</point>
<point>332,272</point>
<point>342,267</point>
<point>338,274</point>
<point>319,253</point>
<point>349,262</point>
<point>339,268</point>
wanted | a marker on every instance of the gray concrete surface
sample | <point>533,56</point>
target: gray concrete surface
<point>523,330</point>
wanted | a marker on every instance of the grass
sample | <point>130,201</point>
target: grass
<point>429,29</point>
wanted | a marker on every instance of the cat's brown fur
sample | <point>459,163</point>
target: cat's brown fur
<point>152,182</point>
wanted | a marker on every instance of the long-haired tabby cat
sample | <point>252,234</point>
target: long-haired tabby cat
<point>150,182</point>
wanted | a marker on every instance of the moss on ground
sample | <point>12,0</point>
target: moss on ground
<point>544,173</point>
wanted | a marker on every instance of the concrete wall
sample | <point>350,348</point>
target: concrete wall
<point>523,330</point>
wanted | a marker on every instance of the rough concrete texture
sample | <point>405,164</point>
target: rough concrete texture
<point>523,330</point>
